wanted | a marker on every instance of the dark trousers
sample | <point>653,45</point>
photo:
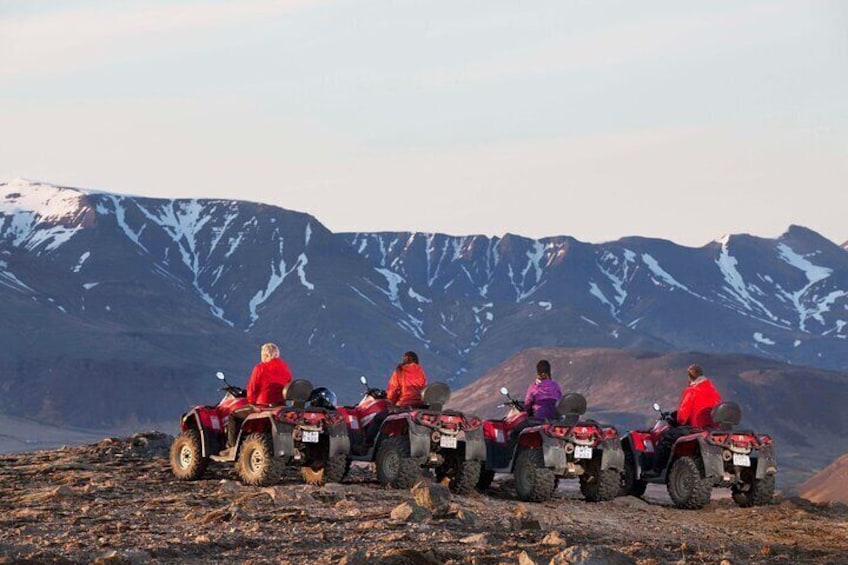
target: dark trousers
<point>665,444</point>
<point>234,423</point>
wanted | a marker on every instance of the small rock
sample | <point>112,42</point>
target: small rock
<point>332,492</point>
<point>553,538</point>
<point>476,539</point>
<point>410,512</point>
<point>137,556</point>
<point>227,487</point>
<point>527,558</point>
<point>591,555</point>
<point>408,557</point>
<point>283,496</point>
<point>522,519</point>
<point>109,557</point>
<point>433,497</point>
<point>359,557</point>
<point>725,562</point>
<point>467,517</point>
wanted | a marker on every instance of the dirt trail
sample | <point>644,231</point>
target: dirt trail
<point>116,502</point>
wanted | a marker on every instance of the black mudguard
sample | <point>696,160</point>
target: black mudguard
<point>554,453</point>
<point>766,462</point>
<point>419,440</point>
<point>475,446</point>
<point>339,440</point>
<point>612,455</point>
<point>711,457</point>
<point>283,438</point>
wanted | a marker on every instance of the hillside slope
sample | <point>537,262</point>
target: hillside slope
<point>828,485</point>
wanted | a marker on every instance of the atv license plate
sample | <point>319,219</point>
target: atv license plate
<point>582,452</point>
<point>741,460</point>
<point>310,437</point>
<point>448,441</point>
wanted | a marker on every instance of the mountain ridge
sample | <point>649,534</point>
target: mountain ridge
<point>171,290</point>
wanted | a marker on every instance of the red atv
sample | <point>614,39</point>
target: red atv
<point>203,433</point>
<point>741,460</point>
<point>539,453</point>
<point>307,432</point>
<point>402,442</point>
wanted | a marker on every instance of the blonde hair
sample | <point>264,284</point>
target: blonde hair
<point>270,350</point>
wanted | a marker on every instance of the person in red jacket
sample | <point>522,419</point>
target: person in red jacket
<point>407,381</point>
<point>694,411</point>
<point>264,387</point>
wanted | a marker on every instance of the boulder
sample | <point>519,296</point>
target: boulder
<point>591,555</point>
<point>409,512</point>
<point>553,538</point>
<point>528,558</point>
<point>522,519</point>
<point>433,497</point>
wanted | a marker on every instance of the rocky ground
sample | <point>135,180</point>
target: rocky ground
<point>116,502</point>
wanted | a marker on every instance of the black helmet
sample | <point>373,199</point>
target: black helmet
<point>323,397</point>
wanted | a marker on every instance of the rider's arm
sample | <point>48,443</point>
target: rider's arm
<point>393,391</point>
<point>528,400</point>
<point>253,385</point>
<point>684,411</point>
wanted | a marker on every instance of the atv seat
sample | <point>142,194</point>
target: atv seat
<point>726,415</point>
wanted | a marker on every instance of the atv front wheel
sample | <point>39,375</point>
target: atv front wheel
<point>462,474</point>
<point>600,486</point>
<point>630,485</point>
<point>758,492</point>
<point>187,460</point>
<point>687,486</point>
<point>395,467</point>
<point>322,472</point>
<point>533,481</point>
<point>256,464</point>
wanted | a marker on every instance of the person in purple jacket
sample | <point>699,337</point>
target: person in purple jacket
<point>542,396</point>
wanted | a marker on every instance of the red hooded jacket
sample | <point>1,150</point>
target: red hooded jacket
<point>405,388</point>
<point>696,403</point>
<point>267,381</point>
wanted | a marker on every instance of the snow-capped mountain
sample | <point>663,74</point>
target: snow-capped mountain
<point>136,294</point>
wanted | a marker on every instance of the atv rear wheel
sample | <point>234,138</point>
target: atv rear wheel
<point>630,485</point>
<point>322,472</point>
<point>187,460</point>
<point>600,486</point>
<point>687,485</point>
<point>462,474</point>
<point>533,481</point>
<point>759,492</point>
<point>395,467</point>
<point>256,464</point>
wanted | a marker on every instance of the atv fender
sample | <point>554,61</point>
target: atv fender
<point>612,455</point>
<point>475,447</point>
<point>713,462</point>
<point>766,462</point>
<point>210,440</point>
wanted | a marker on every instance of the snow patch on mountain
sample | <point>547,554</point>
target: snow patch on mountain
<point>83,258</point>
<point>9,280</point>
<point>33,215</point>
<point>736,286</point>
<point>760,338</point>
<point>806,303</point>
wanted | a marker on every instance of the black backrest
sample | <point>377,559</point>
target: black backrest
<point>726,415</point>
<point>435,395</point>
<point>298,392</point>
<point>570,407</point>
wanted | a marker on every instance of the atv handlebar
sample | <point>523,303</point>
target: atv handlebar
<point>236,391</point>
<point>513,403</point>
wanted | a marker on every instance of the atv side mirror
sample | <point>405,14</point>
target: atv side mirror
<point>504,391</point>
<point>220,376</point>
<point>657,407</point>
<point>363,380</point>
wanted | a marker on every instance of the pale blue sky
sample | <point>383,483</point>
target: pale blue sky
<point>595,119</point>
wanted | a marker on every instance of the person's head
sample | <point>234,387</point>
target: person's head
<point>409,357</point>
<point>543,369</point>
<point>694,371</point>
<point>269,351</point>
